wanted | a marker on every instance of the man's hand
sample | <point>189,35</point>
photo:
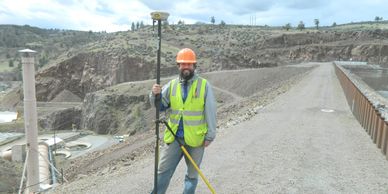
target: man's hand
<point>156,89</point>
<point>206,143</point>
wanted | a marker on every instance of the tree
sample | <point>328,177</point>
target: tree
<point>222,23</point>
<point>212,20</point>
<point>137,25</point>
<point>301,26</point>
<point>287,26</point>
<point>165,24</point>
<point>43,60</point>
<point>141,24</point>
<point>133,26</point>
<point>377,18</point>
<point>334,24</point>
<point>181,22</point>
<point>316,22</point>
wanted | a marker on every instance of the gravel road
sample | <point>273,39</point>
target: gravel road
<point>305,141</point>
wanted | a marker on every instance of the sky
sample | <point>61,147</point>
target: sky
<point>117,15</point>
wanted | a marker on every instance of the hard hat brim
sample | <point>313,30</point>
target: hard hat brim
<point>186,61</point>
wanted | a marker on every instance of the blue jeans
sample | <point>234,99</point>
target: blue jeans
<point>170,156</point>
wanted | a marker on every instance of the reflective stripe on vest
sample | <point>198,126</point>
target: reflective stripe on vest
<point>192,112</point>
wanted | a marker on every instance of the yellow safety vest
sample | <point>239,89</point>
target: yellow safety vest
<point>192,112</point>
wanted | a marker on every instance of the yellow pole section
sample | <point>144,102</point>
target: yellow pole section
<point>198,170</point>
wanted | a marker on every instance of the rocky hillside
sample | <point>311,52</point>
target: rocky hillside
<point>131,57</point>
<point>235,48</point>
<point>96,60</point>
<point>100,60</point>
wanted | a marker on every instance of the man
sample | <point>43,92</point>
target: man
<point>192,106</point>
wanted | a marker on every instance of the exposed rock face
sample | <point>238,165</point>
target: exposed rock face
<point>372,53</point>
<point>111,111</point>
<point>61,119</point>
<point>321,53</point>
<point>328,46</point>
<point>90,72</point>
<point>67,96</point>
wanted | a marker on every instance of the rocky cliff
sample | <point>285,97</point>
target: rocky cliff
<point>123,109</point>
<point>89,72</point>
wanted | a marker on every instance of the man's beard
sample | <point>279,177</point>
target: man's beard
<point>187,74</point>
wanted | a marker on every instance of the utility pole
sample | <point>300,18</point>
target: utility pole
<point>30,120</point>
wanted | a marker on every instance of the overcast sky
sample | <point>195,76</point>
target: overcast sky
<point>117,15</point>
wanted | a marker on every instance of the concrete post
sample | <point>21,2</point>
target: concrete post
<point>30,120</point>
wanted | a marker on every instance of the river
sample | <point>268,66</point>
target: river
<point>7,116</point>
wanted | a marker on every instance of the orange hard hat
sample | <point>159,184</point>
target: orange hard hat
<point>186,55</point>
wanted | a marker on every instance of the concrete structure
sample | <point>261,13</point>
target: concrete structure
<point>30,120</point>
<point>18,153</point>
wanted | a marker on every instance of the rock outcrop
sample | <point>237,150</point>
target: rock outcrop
<point>123,109</point>
<point>89,72</point>
<point>63,119</point>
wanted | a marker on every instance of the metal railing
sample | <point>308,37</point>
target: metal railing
<point>369,110</point>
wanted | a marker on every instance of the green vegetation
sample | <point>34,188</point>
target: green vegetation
<point>222,23</point>
<point>316,22</point>
<point>50,44</point>
<point>301,26</point>
<point>18,124</point>
<point>213,20</point>
<point>287,27</point>
<point>377,18</point>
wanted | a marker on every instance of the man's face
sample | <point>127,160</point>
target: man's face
<point>186,69</point>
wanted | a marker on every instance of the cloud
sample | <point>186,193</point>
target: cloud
<point>117,15</point>
<point>245,7</point>
<point>306,4</point>
<point>158,5</point>
<point>85,15</point>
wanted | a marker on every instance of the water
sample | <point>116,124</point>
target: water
<point>375,78</point>
<point>7,116</point>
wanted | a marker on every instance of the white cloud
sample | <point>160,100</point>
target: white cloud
<point>117,15</point>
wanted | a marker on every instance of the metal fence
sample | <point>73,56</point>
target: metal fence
<point>371,113</point>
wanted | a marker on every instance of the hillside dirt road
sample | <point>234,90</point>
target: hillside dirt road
<point>306,141</point>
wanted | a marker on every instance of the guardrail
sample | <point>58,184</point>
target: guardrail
<point>369,110</point>
<point>350,63</point>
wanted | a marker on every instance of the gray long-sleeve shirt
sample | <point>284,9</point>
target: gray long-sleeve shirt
<point>210,105</point>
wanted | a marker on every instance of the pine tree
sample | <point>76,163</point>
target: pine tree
<point>301,26</point>
<point>316,22</point>
<point>133,26</point>
<point>212,20</point>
